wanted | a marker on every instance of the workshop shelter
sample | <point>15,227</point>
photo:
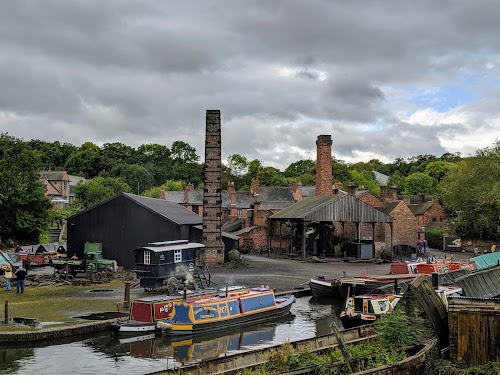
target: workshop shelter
<point>325,218</point>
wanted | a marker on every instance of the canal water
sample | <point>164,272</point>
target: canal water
<point>109,354</point>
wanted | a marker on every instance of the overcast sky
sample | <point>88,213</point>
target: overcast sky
<point>386,79</point>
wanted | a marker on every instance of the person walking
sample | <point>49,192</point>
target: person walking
<point>8,276</point>
<point>20,276</point>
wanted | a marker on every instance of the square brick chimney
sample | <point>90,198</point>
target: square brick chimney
<point>212,192</point>
<point>324,165</point>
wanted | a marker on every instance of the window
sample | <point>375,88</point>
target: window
<point>238,212</point>
<point>147,257</point>
<point>177,256</point>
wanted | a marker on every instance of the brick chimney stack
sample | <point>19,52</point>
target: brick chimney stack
<point>187,189</point>
<point>212,192</point>
<point>383,191</point>
<point>324,165</point>
<point>255,187</point>
<point>421,199</point>
<point>163,194</point>
<point>232,193</point>
<point>352,189</point>
<point>394,193</point>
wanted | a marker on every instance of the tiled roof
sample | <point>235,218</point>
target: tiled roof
<point>275,194</point>
<point>307,191</point>
<point>54,175</point>
<point>389,207</point>
<point>420,209</point>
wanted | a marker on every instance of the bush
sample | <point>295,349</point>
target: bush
<point>435,238</point>
<point>395,330</point>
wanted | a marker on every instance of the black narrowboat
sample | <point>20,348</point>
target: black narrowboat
<point>166,264</point>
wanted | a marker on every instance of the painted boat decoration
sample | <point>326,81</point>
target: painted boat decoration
<point>366,309</point>
<point>224,311</point>
<point>146,312</point>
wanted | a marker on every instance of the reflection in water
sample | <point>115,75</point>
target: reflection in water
<point>109,354</point>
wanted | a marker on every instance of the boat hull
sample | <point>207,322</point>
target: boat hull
<point>324,288</point>
<point>133,327</point>
<point>171,328</point>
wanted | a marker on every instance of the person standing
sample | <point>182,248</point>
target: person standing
<point>8,276</point>
<point>20,276</point>
<point>493,248</point>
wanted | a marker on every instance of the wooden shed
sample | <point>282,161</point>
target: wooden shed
<point>474,325</point>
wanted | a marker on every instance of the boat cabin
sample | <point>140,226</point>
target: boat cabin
<point>159,261</point>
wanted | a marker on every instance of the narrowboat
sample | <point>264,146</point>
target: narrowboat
<point>366,309</point>
<point>145,312</point>
<point>321,287</point>
<point>224,311</point>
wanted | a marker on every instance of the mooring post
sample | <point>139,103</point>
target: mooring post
<point>343,348</point>
<point>67,271</point>
<point>6,311</point>
<point>126,299</point>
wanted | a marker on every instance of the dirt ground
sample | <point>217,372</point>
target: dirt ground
<point>287,274</point>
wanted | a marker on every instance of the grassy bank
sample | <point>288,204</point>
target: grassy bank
<point>58,305</point>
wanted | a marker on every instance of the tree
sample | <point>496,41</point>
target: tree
<point>419,183</point>
<point>23,204</point>
<point>269,174</point>
<point>472,190</point>
<point>186,164</point>
<point>85,162</point>
<point>135,176</point>
<point>300,167</point>
<point>365,179</point>
<point>340,172</point>
<point>439,169</point>
<point>98,189</point>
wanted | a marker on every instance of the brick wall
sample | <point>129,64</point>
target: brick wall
<point>434,213</point>
<point>404,227</point>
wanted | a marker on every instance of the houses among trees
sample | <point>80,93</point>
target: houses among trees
<point>465,188</point>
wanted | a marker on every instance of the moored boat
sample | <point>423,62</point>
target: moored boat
<point>366,309</point>
<point>224,311</point>
<point>321,287</point>
<point>145,312</point>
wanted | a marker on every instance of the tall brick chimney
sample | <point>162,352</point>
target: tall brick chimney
<point>324,165</point>
<point>212,192</point>
<point>421,199</point>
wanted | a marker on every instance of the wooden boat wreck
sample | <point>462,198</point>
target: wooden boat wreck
<point>224,311</point>
<point>146,312</point>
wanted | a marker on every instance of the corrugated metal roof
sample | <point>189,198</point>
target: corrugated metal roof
<point>12,258</point>
<point>487,260</point>
<point>171,211</point>
<point>339,207</point>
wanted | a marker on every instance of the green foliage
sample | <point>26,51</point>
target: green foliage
<point>98,189</point>
<point>300,167</point>
<point>43,238</point>
<point>135,176</point>
<point>85,162</point>
<point>439,169</point>
<point>395,330</point>
<point>366,179</point>
<point>23,204</point>
<point>419,183</point>
<point>444,367</point>
<point>340,172</point>
<point>472,190</point>
<point>434,238</point>
<point>169,185</point>
<point>269,175</point>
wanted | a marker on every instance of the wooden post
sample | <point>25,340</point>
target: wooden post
<point>6,311</point>
<point>67,271</point>
<point>126,299</point>
<point>343,348</point>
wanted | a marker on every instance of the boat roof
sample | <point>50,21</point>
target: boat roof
<point>375,296</point>
<point>189,293</point>
<point>171,247</point>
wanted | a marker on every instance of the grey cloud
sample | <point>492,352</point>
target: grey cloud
<point>142,71</point>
